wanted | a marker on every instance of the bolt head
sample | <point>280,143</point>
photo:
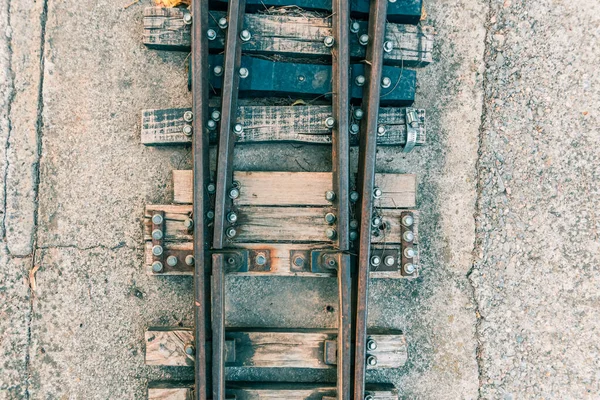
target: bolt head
<point>210,214</point>
<point>376,221</point>
<point>245,35</point>
<point>330,195</point>
<point>188,130</point>
<point>389,261</point>
<point>363,39</point>
<point>372,361</point>
<point>358,113</point>
<point>187,18</point>
<point>408,236</point>
<point>234,193</point>
<point>189,349</point>
<point>330,233</point>
<point>298,261</point>
<point>188,223</point>
<point>260,259</point>
<point>409,268</point>
<point>377,192</point>
<point>360,80</point>
<point>172,261</point>
<point>188,116</point>
<point>330,122</point>
<point>222,23</point>
<point>218,70</point>
<point>157,234</point>
<point>189,259</point>
<point>375,261</point>
<point>410,252</point>
<point>238,129</point>
<point>381,130</point>
<point>354,27</point>
<point>216,115</point>
<point>212,34</point>
<point>157,267</point>
<point>211,124</point>
<point>354,128</point>
<point>388,47</point>
<point>386,82</point>
<point>330,218</point>
<point>372,344</point>
<point>232,217</point>
<point>354,224</point>
<point>211,188</point>
<point>157,219</point>
<point>244,72</point>
<point>329,41</point>
<point>353,235</point>
<point>157,250</point>
<point>354,196</point>
<point>231,232</point>
<point>408,220</point>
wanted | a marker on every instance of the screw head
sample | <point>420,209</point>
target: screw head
<point>354,27</point>
<point>329,41</point>
<point>245,35</point>
<point>188,223</point>
<point>377,193</point>
<point>188,116</point>
<point>330,122</point>
<point>211,124</point>
<point>408,236</point>
<point>188,130</point>
<point>360,80</point>
<point>189,349</point>
<point>210,214</point>
<point>353,235</point>
<point>376,221</point>
<point>388,46</point>
<point>234,193</point>
<point>231,232</point>
<point>354,224</point>
<point>244,72</point>
<point>330,218</point>
<point>238,129</point>
<point>363,39</point>
<point>189,259</point>
<point>218,70</point>
<point>409,268</point>
<point>354,196</point>
<point>298,261</point>
<point>157,250</point>
<point>216,115</point>
<point>157,267</point>
<point>232,217</point>
<point>358,113</point>
<point>222,22</point>
<point>187,18</point>
<point>330,262</point>
<point>157,234</point>
<point>375,261</point>
<point>372,361</point>
<point>389,261</point>
<point>354,128</point>
<point>172,261</point>
<point>381,130</point>
<point>330,233</point>
<point>211,188</point>
<point>330,195</point>
<point>372,344</point>
<point>410,252</point>
<point>157,219</point>
<point>260,259</point>
<point>386,82</point>
<point>212,34</point>
<point>408,220</point>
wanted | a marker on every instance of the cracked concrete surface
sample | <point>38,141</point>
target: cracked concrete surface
<point>509,170</point>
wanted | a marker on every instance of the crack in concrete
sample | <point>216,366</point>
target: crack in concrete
<point>121,245</point>
<point>479,190</point>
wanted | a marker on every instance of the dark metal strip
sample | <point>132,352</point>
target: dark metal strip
<point>218,326</point>
<point>200,87</point>
<point>366,179</point>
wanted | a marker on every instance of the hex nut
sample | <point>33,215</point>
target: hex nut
<point>360,80</point>
<point>408,236</point>
<point>363,39</point>
<point>354,27</point>
<point>298,261</point>
<point>157,219</point>
<point>190,349</point>
<point>408,220</point>
<point>222,22</point>
<point>410,252</point>
<point>218,70</point>
<point>371,344</point>
<point>245,35</point>
<point>188,130</point>
<point>244,72</point>
<point>212,34</point>
<point>231,232</point>
<point>157,234</point>
<point>188,116</point>
<point>329,41</point>
<point>375,261</point>
<point>388,46</point>
<point>354,129</point>
<point>330,195</point>
<point>260,259</point>
<point>157,250</point>
<point>234,193</point>
<point>389,261</point>
<point>187,18</point>
<point>238,129</point>
<point>409,268</point>
<point>358,113</point>
<point>330,218</point>
<point>172,261</point>
<point>216,115</point>
<point>211,124</point>
<point>157,267</point>
<point>189,259</point>
<point>330,122</point>
<point>232,217</point>
<point>372,361</point>
<point>386,82</point>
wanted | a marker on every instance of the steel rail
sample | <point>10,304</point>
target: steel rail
<point>341,187</point>
<point>365,181</point>
<point>223,198</point>
<point>200,87</point>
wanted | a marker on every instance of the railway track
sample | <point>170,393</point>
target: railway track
<point>349,64</point>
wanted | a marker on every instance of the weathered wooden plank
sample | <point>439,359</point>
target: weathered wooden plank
<point>259,349</point>
<point>300,189</point>
<point>263,391</point>
<point>164,29</point>
<point>305,124</point>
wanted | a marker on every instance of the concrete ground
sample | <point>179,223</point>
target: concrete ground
<point>507,303</point>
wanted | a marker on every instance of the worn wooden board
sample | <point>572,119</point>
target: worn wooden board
<point>260,349</point>
<point>263,391</point>
<point>290,35</point>
<point>304,124</point>
<point>299,189</point>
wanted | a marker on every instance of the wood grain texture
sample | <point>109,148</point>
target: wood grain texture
<point>302,36</point>
<point>293,349</point>
<point>300,189</point>
<point>303,124</point>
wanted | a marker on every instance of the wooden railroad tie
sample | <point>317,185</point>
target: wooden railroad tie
<point>327,72</point>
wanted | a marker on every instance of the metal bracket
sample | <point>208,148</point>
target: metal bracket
<point>412,129</point>
<point>324,261</point>
<point>330,352</point>
<point>407,224</point>
<point>390,260</point>
<point>158,233</point>
<point>247,261</point>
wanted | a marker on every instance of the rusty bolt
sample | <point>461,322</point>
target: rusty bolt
<point>189,260</point>
<point>188,116</point>
<point>157,267</point>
